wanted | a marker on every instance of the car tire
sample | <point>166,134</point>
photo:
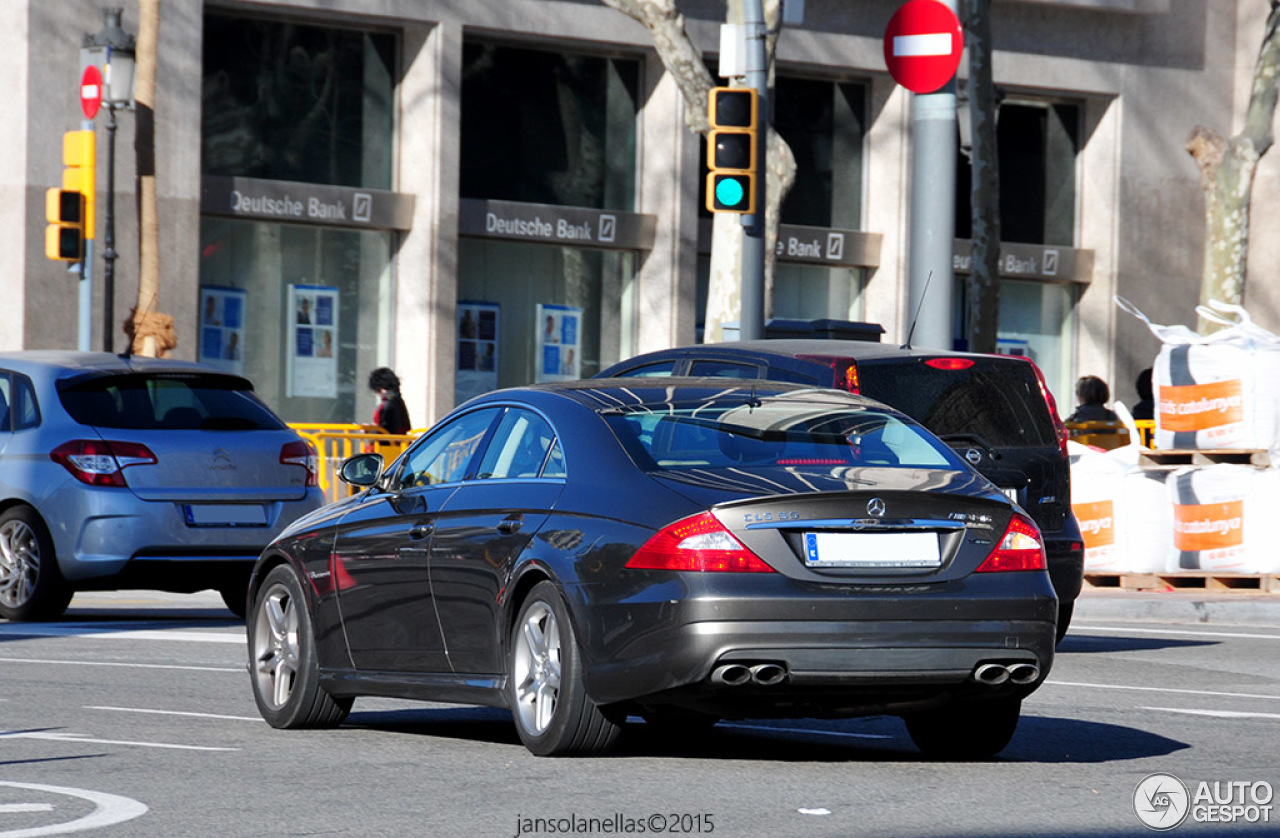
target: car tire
<point>965,730</point>
<point>553,713</point>
<point>1065,610</point>
<point>282,658</point>
<point>31,584</point>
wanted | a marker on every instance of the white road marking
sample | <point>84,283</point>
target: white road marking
<point>768,729</point>
<point>96,630</point>
<point>18,808</point>
<point>933,43</point>
<point>54,736</point>
<point>108,809</point>
<point>177,713</point>
<point>1193,633</point>
<point>1159,690</point>
<point>239,670</point>
<point>1222,714</point>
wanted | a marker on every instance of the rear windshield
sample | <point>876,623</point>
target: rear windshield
<point>997,400</point>
<point>167,401</point>
<point>773,432</point>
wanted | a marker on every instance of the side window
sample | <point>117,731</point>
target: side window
<point>519,446</point>
<point>555,462</point>
<point>6,398</point>
<point>444,456</point>
<point>723,369</point>
<point>662,369</point>
<point>25,409</point>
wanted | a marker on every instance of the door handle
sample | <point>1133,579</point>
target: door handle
<point>511,524</point>
<point>419,531</point>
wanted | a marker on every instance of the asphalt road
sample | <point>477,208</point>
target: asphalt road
<point>134,716</point>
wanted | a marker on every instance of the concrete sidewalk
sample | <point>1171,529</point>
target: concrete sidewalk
<point>1201,607</point>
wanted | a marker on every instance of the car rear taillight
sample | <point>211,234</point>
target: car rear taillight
<point>698,543</point>
<point>99,462</point>
<point>1059,427</point>
<point>950,363</point>
<point>302,453</point>
<point>844,371</point>
<point>1021,548</point>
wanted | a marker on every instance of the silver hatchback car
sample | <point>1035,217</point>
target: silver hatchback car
<point>127,472</point>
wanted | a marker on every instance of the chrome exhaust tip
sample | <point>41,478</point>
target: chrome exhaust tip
<point>731,675</point>
<point>991,674</point>
<point>768,674</point>
<point>1023,673</point>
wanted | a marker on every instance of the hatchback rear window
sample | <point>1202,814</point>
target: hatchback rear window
<point>998,400</point>
<point>773,432</point>
<point>167,401</point>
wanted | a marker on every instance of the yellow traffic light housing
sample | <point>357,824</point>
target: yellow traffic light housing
<point>64,209</point>
<point>733,149</point>
<point>79,155</point>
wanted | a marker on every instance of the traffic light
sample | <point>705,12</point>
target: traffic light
<point>65,212</point>
<point>69,210</point>
<point>733,149</point>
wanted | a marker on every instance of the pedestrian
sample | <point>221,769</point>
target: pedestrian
<point>391,415</point>
<point>1092,393</point>
<point>1146,406</point>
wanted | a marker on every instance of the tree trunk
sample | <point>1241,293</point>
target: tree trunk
<point>1227,168</point>
<point>684,62</point>
<point>148,335</point>
<point>983,283</point>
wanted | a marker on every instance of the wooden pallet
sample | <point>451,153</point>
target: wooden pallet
<point>1206,457</point>
<point>1246,583</point>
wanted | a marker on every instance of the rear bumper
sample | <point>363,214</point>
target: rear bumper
<point>843,655</point>
<point>1064,551</point>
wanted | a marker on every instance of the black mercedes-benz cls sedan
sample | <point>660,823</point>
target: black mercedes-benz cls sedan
<point>679,550</point>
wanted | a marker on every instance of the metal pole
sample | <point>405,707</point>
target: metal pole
<point>109,238</point>
<point>84,340</point>
<point>933,216</point>
<point>752,316</point>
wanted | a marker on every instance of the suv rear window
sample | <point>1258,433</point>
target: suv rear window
<point>167,401</point>
<point>998,400</point>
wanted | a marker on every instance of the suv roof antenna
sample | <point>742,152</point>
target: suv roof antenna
<point>915,318</point>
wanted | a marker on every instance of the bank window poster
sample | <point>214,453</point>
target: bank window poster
<point>478,349</point>
<point>222,327</point>
<point>559,335</point>
<point>312,327</point>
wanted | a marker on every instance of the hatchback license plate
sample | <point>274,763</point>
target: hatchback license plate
<point>224,514</point>
<point>872,550</point>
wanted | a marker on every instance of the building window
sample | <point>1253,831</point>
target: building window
<point>548,127</point>
<point>291,101</point>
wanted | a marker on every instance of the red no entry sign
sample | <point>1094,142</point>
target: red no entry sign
<point>91,91</point>
<point>922,45</point>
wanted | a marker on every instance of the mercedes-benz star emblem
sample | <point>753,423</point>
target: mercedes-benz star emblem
<point>973,455</point>
<point>875,507</point>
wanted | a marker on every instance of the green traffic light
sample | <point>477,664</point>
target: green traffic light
<point>729,192</point>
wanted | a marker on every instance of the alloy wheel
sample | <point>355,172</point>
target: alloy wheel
<point>537,668</point>
<point>19,563</point>
<point>276,651</point>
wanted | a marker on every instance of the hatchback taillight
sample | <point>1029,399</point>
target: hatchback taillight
<point>698,543</point>
<point>1021,548</point>
<point>302,453</point>
<point>844,371</point>
<point>99,462</point>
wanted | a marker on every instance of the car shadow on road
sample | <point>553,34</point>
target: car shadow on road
<point>1039,739</point>
<point>1077,643</point>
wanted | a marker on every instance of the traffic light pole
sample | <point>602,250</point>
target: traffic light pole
<point>84,332</point>
<point>109,238</point>
<point>751,319</point>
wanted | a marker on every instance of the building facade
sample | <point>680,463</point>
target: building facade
<point>504,191</point>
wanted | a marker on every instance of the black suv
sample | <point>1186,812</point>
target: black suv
<point>994,409</point>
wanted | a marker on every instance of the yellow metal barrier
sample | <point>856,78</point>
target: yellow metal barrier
<point>1108,435</point>
<point>334,443</point>
<point>1147,431</point>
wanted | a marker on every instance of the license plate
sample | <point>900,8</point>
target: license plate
<point>872,550</point>
<point>1011,494</point>
<point>224,514</point>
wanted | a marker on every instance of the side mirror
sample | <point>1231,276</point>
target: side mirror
<point>361,470</point>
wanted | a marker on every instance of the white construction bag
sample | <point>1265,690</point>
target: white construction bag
<point>1222,516</point>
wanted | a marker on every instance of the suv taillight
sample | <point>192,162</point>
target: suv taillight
<point>97,462</point>
<point>844,371</point>
<point>302,453</point>
<point>1058,426</point>
<point>1021,548</point>
<point>699,543</point>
